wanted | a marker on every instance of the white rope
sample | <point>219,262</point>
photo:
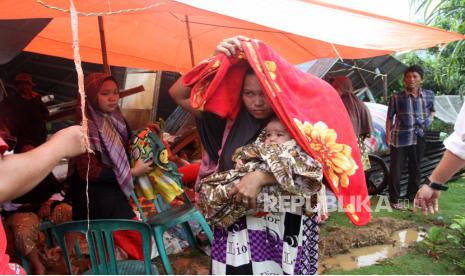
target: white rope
<point>80,75</point>
<point>156,4</point>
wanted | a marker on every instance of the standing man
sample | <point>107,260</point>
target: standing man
<point>410,112</point>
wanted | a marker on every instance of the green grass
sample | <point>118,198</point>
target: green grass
<point>410,263</point>
<point>415,261</point>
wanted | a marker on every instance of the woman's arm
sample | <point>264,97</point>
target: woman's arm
<point>388,131</point>
<point>447,167</point>
<point>426,197</point>
<point>20,173</point>
<point>181,95</point>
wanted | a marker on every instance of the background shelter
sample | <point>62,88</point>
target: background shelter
<point>370,77</point>
<point>175,34</point>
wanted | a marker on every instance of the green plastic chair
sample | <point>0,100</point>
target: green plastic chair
<point>168,217</point>
<point>102,248</point>
<point>139,208</point>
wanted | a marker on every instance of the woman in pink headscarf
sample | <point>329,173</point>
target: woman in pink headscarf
<point>110,175</point>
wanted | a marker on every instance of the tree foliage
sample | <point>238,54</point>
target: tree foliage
<point>444,65</point>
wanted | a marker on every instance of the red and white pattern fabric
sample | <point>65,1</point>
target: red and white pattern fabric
<point>309,107</point>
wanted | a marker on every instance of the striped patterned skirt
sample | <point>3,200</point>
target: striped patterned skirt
<point>278,243</point>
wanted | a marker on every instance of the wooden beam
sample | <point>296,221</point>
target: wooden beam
<point>385,86</point>
<point>189,37</point>
<point>156,96</point>
<point>361,76</point>
<point>103,44</point>
<point>131,91</point>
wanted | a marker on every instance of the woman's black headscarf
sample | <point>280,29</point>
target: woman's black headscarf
<point>245,130</point>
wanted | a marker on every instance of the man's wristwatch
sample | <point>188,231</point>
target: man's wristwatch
<point>436,186</point>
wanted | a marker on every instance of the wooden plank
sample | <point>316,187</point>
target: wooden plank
<point>131,91</point>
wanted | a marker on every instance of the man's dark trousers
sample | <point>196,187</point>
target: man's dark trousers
<point>414,153</point>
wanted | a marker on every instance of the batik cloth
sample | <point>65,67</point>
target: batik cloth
<point>25,229</point>
<point>297,174</point>
<point>25,226</point>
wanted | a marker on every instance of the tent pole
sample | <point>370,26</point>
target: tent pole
<point>189,37</point>
<point>385,90</point>
<point>103,45</point>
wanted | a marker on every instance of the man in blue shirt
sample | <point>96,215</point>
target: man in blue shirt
<point>410,112</point>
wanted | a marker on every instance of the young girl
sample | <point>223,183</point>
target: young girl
<point>275,152</point>
<point>108,170</point>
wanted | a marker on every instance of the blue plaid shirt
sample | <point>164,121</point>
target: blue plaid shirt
<point>412,116</point>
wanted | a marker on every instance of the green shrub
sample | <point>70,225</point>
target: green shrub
<point>439,125</point>
<point>448,242</point>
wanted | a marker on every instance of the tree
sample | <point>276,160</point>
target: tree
<point>445,65</point>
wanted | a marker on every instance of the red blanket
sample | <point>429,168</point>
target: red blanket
<point>310,108</point>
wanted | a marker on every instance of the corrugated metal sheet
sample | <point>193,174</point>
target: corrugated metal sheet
<point>388,65</point>
<point>363,78</point>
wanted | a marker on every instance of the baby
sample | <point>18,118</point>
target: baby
<point>275,152</point>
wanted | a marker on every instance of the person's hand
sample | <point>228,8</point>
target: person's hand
<point>322,218</point>
<point>70,141</point>
<point>246,190</point>
<point>229,46</point>
<point>388,140</point>
<point>426,199</point>
<point>141,167</point>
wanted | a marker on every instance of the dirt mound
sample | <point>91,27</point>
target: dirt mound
<point>378,231</point>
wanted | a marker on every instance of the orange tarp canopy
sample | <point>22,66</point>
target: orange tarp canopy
<point>156,38</point>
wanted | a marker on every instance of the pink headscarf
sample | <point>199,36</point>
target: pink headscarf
<point>108,132</point>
